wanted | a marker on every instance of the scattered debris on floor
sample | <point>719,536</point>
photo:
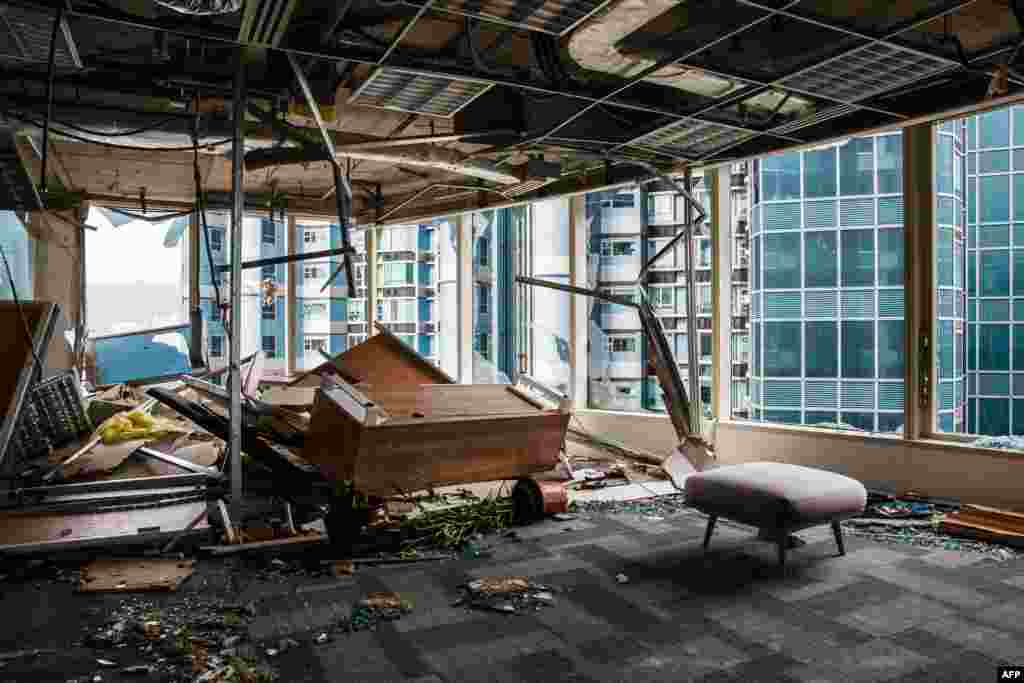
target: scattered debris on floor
<point>900,509</point>
<point>986,524</point>
<point>659,506</point>
<point>452,528</point>
<point>510,595</point>
<point>374,609</point>
<point>198,638</point>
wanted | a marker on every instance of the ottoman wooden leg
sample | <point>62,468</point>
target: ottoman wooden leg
<point>783,542</point>
<point>837,529</point>
<point>710,530</point>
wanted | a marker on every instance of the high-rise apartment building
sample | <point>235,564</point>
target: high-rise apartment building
<point>262,324</point>
<point>415,285</point>
<point>625,229</point>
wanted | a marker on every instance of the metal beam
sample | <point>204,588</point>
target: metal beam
<point>693,358</point>
<point>290,258</point>
<point>177,462</point>
<point>342,188</point>
<point>597,294</point>
<point>405,31</point>
<point>422,139</point>
<point>237,208</point>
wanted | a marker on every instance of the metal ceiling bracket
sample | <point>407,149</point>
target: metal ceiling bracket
<point>235,338</point>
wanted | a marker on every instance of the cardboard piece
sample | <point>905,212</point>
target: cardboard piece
<point>124,575</point>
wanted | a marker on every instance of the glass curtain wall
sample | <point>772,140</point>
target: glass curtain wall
<point>994,273</point>
<point>827,286</point>
<point>950,295</point>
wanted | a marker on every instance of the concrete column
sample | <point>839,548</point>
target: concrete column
<point>579,339</point>
<point>291,318</point>
<point>919,257</point>
<point>371,280</point>
<point>718,182</point>
<point>464,287</point>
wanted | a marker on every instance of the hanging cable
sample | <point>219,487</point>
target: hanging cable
<point>128,133</point>
<point>153,219</point>
<point>201,217</point>
<point>133,148</point>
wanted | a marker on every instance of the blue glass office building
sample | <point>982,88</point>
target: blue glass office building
<point>995,271</point>
<point>827,298</point>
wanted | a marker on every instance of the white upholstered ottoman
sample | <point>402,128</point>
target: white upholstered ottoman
<point>777,498</point>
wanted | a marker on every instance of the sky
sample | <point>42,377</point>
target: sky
<point>129,254</point>
<point>132,279</point>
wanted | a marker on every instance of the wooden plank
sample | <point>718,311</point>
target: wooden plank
<point>127,575</point>
<point>381,359</point>
<point>306,539</point>
<point>447,400</point>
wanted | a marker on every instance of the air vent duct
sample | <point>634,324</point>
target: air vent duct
<point>691,138</point>
<point>417,93</point>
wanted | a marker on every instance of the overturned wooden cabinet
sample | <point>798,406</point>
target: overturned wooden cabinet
<point>388,439</point>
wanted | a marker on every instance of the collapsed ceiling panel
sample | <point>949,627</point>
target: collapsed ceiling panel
<point>25,37</point>
<point>977,26</point>
<point>548,16</point>
<point>866,72</point>
<point>416,93</point>
<point>714,79</point>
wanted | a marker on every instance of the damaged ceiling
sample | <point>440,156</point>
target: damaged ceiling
<point>479,103</point>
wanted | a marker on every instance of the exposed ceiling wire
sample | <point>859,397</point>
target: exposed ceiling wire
<point>137,131</point>
<point>201,217</point>
<point>153,219</point>
<point>134,148</point>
